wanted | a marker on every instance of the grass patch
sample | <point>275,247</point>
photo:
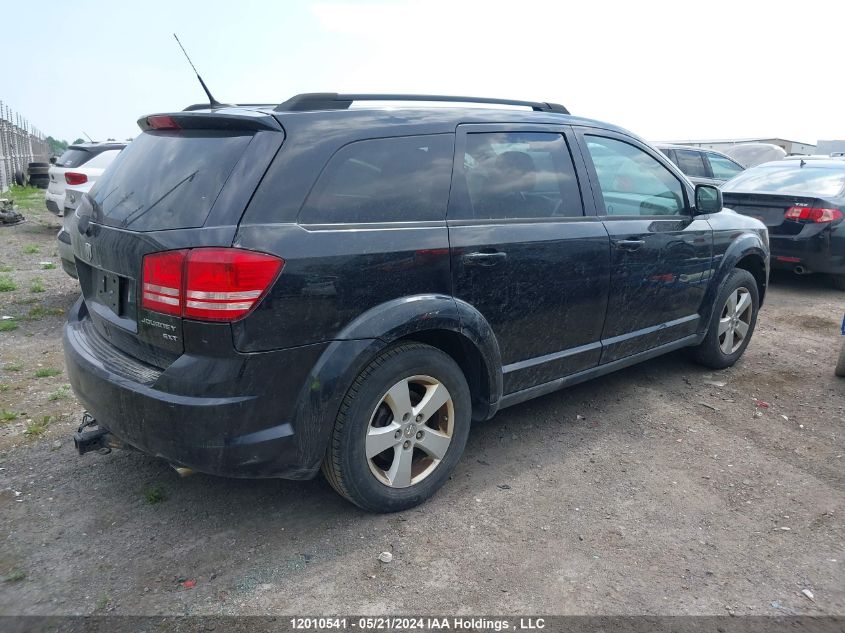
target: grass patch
<point>39,312</point>
<point>8,416</point>
<point>4,387</point>
<point>8,325</point>
<point>155,495</point>
<point>47,372</point>
<point>16,575</point>
<point>37,286</point>
<point>60,394</point>
<point>47,266</point>
<point>6,269</point>
<point>34,429</point>
<point>7,284</point>
<point>28,198</point>
<point>13,366</point>
<point>29,249</point>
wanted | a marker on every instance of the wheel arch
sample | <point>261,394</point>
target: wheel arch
<point>746,251</point>
<point>441,321</point>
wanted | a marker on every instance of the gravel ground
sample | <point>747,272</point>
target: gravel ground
<point>661,489</point>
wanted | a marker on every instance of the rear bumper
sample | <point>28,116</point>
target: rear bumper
<point>822,252</point>
<point>231,416</point>
<point>55,202</point>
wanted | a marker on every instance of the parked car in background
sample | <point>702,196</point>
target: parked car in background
<point>753,154</point>
<point>802,203</point>
<point>73,196</point>
<point>79,164</point>
<point>310,285</point>
<point>701,166</point>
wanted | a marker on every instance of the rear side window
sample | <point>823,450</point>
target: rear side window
<point>400,179</point>
<point>512,175</point>
<point>73,158</point>
<point>723,168</point>
<point>691,163</point>
<point>167,180</point>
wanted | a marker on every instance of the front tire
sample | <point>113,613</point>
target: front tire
<point>733,322</point>
<point>401,429</point>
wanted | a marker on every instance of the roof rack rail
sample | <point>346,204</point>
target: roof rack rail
<point>335,101</point>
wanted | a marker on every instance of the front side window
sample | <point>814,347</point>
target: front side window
<point>632,182</point>
<point>691,163</point>
<point>400,179</point>
<point>519,175</point>
<point>723,168</point>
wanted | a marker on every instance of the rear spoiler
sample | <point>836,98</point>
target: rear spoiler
<point>232,120</point>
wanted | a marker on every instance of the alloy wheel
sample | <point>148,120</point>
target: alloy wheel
<point>410,431</point>
<point>735,320</point>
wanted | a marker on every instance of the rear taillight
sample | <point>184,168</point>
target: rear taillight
<point>207,284</point>
<point>162,277</point>
<point>75,178</point>
<point>812,214</point>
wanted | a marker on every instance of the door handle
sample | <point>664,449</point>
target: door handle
<point>628,245</point>
<point>482,258</point>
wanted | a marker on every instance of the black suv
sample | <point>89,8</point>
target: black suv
<point>272,290</point>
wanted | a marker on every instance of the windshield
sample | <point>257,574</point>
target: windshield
<point>166,180</point>
<point>789,178</point>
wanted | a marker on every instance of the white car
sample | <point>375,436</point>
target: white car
<point>80,164</point>
<point>73,195</point>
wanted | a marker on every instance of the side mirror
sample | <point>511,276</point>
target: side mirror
<point>53,160</point>
<point>708,199</point>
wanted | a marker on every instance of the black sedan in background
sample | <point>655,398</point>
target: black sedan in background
<point>802,202</point>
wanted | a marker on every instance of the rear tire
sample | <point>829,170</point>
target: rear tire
<point>413,402</point>
<point>840,366</point>
<point>838,281</point>
<point>733,322</point>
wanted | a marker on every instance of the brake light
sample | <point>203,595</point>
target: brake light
<point>75,178</point>
<point>163,122</point>
<point>162,276</point>
<point>812,214</point>
<point>207,284</point>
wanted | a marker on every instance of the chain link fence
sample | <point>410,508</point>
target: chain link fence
<point>20,144</point>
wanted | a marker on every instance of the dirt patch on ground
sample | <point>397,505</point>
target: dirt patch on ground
<point>650,491</point>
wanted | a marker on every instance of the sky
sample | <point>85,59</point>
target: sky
<point>664,70</point>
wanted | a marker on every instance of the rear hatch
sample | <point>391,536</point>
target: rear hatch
<point>181,184</point>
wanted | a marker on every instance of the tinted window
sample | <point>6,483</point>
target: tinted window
<point>789,177</point>
<point>398,179</point>
<point>166,180</point>
<point>519,175</point>
<point>73,158</point>
<point>691,163</point>
<point>103,159</point>
<point>723,168</point>
<point>632,182</point>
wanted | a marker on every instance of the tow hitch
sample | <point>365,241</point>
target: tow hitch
<point>97,439</point>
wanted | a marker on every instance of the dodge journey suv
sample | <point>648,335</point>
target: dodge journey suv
<point>268,291</point>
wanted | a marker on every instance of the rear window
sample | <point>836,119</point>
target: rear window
<point>401,179</point>
<point>73,158</point>
<point>789,178</point>
<point>167,180</point>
